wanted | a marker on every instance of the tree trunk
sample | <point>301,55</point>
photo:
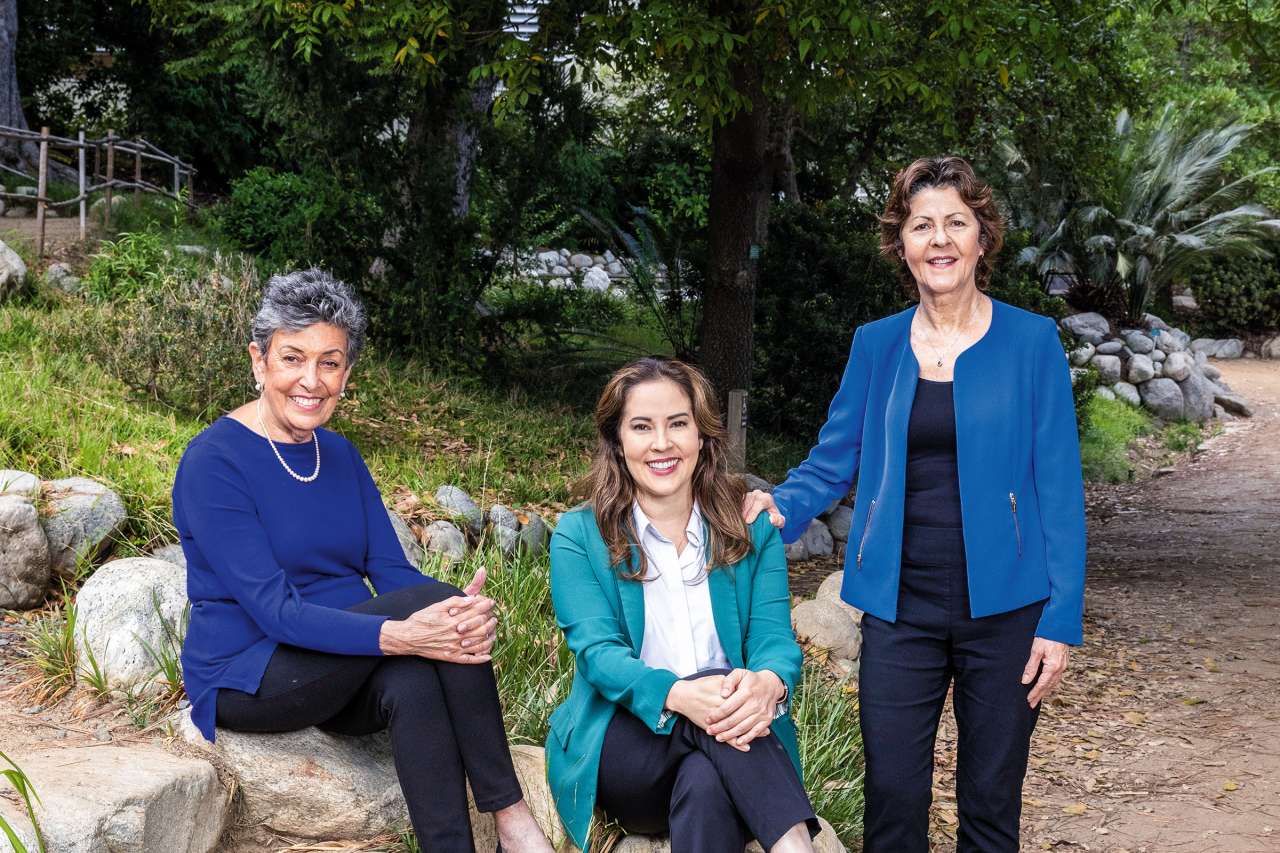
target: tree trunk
<point>24,154</point>
<point>738,219</point>
<point>783,164</point>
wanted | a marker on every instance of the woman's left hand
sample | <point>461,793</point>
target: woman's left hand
<point>1051,659</point>
<point>747,710</point>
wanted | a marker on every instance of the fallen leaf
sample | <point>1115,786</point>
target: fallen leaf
<point>1075,808</point>
<point>1230,785</point>
<point>1135,717</point>
<point>1193,700</point>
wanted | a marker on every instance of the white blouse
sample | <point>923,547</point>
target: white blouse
<point>679,629</point>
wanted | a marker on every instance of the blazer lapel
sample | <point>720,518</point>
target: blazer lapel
<point>631,594</point>
<point>724,610</point>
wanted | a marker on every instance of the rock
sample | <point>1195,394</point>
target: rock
<point>1108,367</point>
<point>459,502</point>
<point>442,537</point>
<point>580,261</point>
<point>507,540</point>
<point>1230,348</point>
<point>60,277</point>
<point>171,554</point>
<point>121,799</point>
<point>1141,368</point>
<point>13,272</point>
<point>1163,396</point>
<point>1234,403</point>
<point>501,516</point>
<point>824,624</point>
<point>1222,414</point>
<point>1185,303</point>
<point>1158,355</point>
<point>1138,341</point>
<point>1151,323</point>
<point>20,483</point>
<point>1128,393</point>
<point>796,551</point>
<point>1208,346</point>
<point>85,515</point>
<point>561,271</point>
<point>615,268</point>
<point>817,540</point>
<point>118,614</point>
<point>596,279</point>
<point>28,191</point>
<point>24,555</point>
<point>757,483</point>
<point>1090,327</point>
<point>1110,347</point>
<point>16,213</point>
<point>839,522</point>
<point>413,550</point>
<point>1178,365</point>
<point>534,534</point>
<point>1211,372</point>
<point>1158,370</point>
<point>1270,348</point>
<point>1197,395</point>
<point>829,590</point>
<point>99,207</point>
<point>1175,340</point>
<point>1201,359</point>
<point>316,785</point>
<point>1104,392</point>
<point>1080,355</point>
<point>549,258</point>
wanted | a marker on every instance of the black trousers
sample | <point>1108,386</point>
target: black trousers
<point>906,669</point>
<point>709,796</point>
<point>444,719</point>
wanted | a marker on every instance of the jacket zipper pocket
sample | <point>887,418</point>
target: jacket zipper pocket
<point>1017,528</point>
<point>866,528</point>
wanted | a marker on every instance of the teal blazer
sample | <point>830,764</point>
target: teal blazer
<point>602,617</point>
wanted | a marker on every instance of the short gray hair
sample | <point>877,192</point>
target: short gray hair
<point>295,300</point>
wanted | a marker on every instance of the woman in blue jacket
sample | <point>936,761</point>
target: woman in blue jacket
<point>967,550</point>
<point>284,633</point>
<point>679,620</point>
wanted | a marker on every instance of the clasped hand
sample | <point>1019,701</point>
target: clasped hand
<point>736,708</point>
<point>459,629</point>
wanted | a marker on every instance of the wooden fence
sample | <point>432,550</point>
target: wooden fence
<point>106,152</point>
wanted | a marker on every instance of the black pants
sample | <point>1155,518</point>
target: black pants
<point>444,718</point>
<point>907,667</point>
<point>711,797</point>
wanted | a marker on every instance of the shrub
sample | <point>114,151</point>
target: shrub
<point>1238,296</point>
<point>1110,426</point>
<point>126,267</point>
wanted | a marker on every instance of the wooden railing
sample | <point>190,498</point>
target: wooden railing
<point>105,150</point>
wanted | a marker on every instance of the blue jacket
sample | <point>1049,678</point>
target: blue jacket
<point>1018,456</point>
<point>602,617</point>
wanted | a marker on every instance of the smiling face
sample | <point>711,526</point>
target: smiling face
<point>941,241</point>
<point>302,373</point>
<point>660,441</point>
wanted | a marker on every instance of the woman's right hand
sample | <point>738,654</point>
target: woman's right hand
<point>459,629</point>
<point>695,699</point>
<point>756,502</point>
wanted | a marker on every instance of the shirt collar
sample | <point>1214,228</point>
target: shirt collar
<point>693,531</point>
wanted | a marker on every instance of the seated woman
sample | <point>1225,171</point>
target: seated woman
<point>679,619</point>
<point>284,633</point>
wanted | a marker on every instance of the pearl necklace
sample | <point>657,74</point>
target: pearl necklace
<point>292,473</point>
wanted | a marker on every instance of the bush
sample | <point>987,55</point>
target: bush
<point>1110,426</point>
<point>126,267</point>
<point>292,219</point>
<point>1238,296</point>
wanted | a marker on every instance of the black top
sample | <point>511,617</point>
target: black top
<point>933,487</point>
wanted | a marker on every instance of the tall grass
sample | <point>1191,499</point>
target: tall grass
<point>1110,426</point>
<point>27,793</point>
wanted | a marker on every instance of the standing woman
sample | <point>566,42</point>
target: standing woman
<point>968,550</point>
<point>679,619</point>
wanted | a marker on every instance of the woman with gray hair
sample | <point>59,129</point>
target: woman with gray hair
<point>284,633</point>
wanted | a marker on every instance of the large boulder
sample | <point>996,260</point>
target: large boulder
<point>1138,342</point>
<point>84,516</point>
<point>459,503</point>
<point>1197,397</point>
<point>1178,365</point>
<point>829,590</point>
<point>1233,403</point>
<point>13,272</point>
<point>312,784</point>
<point>128,611</point>
<point>24,555</point>
<point>1108,367</point>
<point>1270,348</point>
<point>825,841</point>
<point>1089,326</point>
<point>444,538</point>
<point>1141,368</point>
<point>822,623</point>
<point>114,799</point>
<point>413,551</point>
<point>839,521</point>
<point>817,540</point>
<point>1163,397</point>
<point>1230,348</point>
<point>19,483</point>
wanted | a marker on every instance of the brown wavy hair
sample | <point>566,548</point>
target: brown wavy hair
<point>611,491</point>
<point>927,173</point>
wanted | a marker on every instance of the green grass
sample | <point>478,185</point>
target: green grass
<point>22,785</point>
<point>1110,427</point>
<point>1181,437</point>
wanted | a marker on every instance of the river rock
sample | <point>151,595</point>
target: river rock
<point>13,272</point>
<point>580,261</point>
<point>1211,372</point>
<point>1178,365</point>
<point>1108,367</point>
<point>1128,393</point>
<point>1185,303</point>
<point>1088,326</point>
<point>596,279</point>
<point>1080,355</point>
<point>85,515</point>
<point>1197,395</point>
<point>1163,396</point>
<point>1105,393</point>
<point>507,540</point>
<point>442,537</point>
<point>534,533</point>
<point>1141,368</point>
<point>60,277</point>
<point>1230,348</point>
<point>829,590</point>
<point>1174,340</point>
<point>1110,348</point>
<point>24,555</point>
<point>817,540</point>
<point>170,553</point>
<point>119,613</point>
<point>20,483</point>
<point>1138,342</point>
<point>120,799</point>
<point>501,516</point>
<point>1152,323</point>
<point>1158,355</point>
<point>458,502</point>
<point>824,624</point>
<point>839,522</point>
<point>1270,348</point>
<point>413,550</point>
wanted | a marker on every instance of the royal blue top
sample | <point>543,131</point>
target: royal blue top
<point>274,560</point>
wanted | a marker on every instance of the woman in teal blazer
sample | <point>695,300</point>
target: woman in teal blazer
<point>967,547</point>
<point>678,617</point>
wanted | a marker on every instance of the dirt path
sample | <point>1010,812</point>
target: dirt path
<point>1166,736</point>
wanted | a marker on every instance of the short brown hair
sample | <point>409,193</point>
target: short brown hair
<point>929,172</point>
<point>608,485</point>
